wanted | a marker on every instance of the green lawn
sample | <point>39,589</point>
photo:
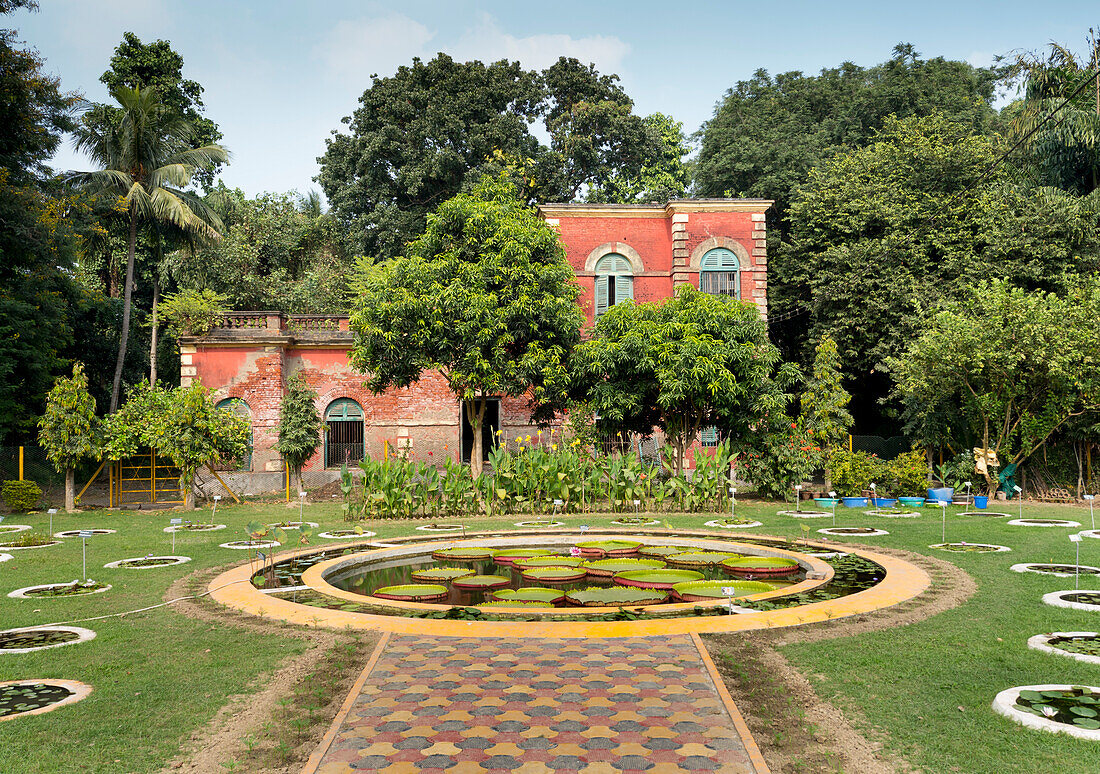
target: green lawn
<point>159,675</point>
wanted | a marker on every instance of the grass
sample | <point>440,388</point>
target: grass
<point>159,676</point>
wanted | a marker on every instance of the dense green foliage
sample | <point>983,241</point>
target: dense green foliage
<point>299,424</point>
<point>21,496</point>
<point>1017,364</point>
<point>485,296</point>
<point>824,401</point>
<point>433,129</point>
<point>681,364</point>
<point>190,312</point>
<point>67,431</point>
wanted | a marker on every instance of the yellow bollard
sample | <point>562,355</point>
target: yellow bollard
<point>20,463</point>
<point>286,468</point>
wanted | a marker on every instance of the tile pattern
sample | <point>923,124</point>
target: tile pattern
<point>597,706</point>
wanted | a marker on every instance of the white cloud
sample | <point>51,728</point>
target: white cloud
<point>360,47</point>
<point>489,43</point>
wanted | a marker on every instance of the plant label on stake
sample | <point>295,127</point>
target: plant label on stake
<point>301,506</point>
<point>832,499</point>
<point>733,500</point>
<point>214,510</point>
<point>1077,566</point>
<point>874,495</point>
<point>174,523</point>
<point>797,497</point>
<point>84,535</point>
<point>969,502</point>
<point>584,528</point>
<point>1020,494</point>
<point>943,510</point>
<point>1092,517</point>
<point>51,511</point>
<point>729,592</point>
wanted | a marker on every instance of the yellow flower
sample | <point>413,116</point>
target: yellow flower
<point>528,439</point>
<point>518,439</point>
<point>554,446</point>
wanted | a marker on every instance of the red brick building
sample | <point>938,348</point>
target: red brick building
<point>617,251</point>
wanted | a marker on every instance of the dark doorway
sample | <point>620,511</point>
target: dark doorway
<point>343,433</point>
<point>489,430</point>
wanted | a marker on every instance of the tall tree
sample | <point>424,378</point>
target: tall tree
<point>67,428</point>
<point>824,400</point>
<point>682,364</point>
<point>147,159</point>
<point>299,426</point>
<point>662,177</point>
<point>485,297</point>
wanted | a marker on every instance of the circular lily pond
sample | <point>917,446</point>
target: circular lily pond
<point>8,529</point>
<point>1090,533</point>
<point>33,697</point>
<point>893,514</point>
<point>733,522</point>
<point>147,562</point>
<point>1058,570</point>
<point>245,545</point>
<point>806,514</point>
<point>1043,523</point>
<point>345,534</point>
<point>442,527</point>
<point>29,540</point>
<point>56,590</point>
<point>28,639</point>
<point>563,573</point>
<point>1080,646</point>
<point>989,514</point>
<point>540,523</point>
<point>962,547</point>
<point>292,524</point>
<point>1057,708</point>
<point>1075,599</point>
<point>635,521</point>
<point>194,528</point>
<point>853,531</point>
<point>73,533</point>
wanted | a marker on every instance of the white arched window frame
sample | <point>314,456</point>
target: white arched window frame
<point>720,273</point>
<point>614,281</point>
<point>240,408</point>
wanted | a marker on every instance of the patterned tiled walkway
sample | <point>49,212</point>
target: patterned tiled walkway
<point>597,706</point>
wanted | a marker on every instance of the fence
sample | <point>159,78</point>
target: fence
<point>884,448</point>
<point>29,463</point>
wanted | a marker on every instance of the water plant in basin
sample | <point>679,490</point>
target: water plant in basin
<point>28,539</point>
<point>1085,644</point>
<point>25,697</point>
<point>74,588</point>
<point>413,592</point>
<point>733,521</point>
<point>701,591</point>
<point>660,551</point>
<point>552,560</point>
<point>656,579</point>
<point>968,548</point>
<point>513,603</point>
<point>36,638</point>
<point>509,555</point>
<point>609,547</point>
<point>441,574</point>
<point>1084,597</point>
<point>481,582</point>
<point>615,596</point>
<point>605,568</point>
<point>760,564</point>
<point>462,554</point>
<point>700,558</point>
<point>560,574</point>
<point>1077,706</point>
<point>530,594</point>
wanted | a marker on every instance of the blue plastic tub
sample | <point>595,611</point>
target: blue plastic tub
<point>826,502</point>
<point>884,502</point>
<point>854,502</point>
<point>911,502</point>
<point>981,502</point>
<point>943,493</point>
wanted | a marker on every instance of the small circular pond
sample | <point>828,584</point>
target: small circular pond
<point>28,639</point>
<point>33,697</point>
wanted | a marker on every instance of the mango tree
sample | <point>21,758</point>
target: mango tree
<point>67,430</point>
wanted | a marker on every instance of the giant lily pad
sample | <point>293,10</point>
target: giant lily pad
<point>559,574</point>
<point>609,547</point>
<point>656,579</point>
<point>530,594</point>
<point>701,591</point>
<point>510,555</point>
<point>661,551</point>
<point>440,574</point>
<point>777,565</point>
<point>615,596</point>
<point>514,603</point>
<point>605,568</point>
<point>548,561</point>
<point>481,582</point>
<point>463,554</point>
<point>700,558</point>
<point>425,592</point>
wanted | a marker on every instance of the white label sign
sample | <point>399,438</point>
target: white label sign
<point>729,591</point>
<point>1075,538</point>
<point>85,533</point>
<point>584,528</point>
<point>175,521</point>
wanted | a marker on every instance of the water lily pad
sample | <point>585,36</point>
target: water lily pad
<point>615,596</point>
<point>605,568</point>
<point>463,554</point>
<point>428,592</point>
<point>481,582</point>
<point>509,555</point>
<point>440,574</point>
<point>560,574</point>
<point>700,558</point>
<point>700,591</point>
<point>660,551</point>
<point>760,564</point>
<point>551,560</point>
<point>530,594</point>
<point>609,547</point>
<point>656,579</point>
<point>514,603</point>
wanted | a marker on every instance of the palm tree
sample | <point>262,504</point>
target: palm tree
<point>147,159</point>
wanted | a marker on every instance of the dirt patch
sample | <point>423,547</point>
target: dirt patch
<point>797,731</point>
<point>275,728</point>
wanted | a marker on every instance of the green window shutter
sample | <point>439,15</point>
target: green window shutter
<point>709,436</point>
<point>624,287</point>
<point>601,295</point>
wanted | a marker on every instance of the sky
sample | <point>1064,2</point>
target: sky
<point>279,76</point>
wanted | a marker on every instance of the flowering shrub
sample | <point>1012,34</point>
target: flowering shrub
<point>780,459</point>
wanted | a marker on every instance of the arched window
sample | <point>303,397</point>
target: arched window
<point>720,273</point>
<point>614,282</point>
<point>241,409</point>
<point>343,432</point>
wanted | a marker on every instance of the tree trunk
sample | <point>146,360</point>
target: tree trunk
<point>153,341</point>
<point>127,291</point>
<point>188,493</point>
<point>475,414</point>
<point>112,274</point>
<point>70,488</point>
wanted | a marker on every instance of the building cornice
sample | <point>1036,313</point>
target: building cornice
<point>673,207</point>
